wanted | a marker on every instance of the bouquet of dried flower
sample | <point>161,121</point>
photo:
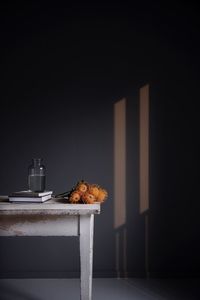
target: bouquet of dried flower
<point>83,192</point>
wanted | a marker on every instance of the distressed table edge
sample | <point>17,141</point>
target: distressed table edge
<point>50,207</point>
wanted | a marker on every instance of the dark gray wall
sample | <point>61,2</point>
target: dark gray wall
<point>62,70</point>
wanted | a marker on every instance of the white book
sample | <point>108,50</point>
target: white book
<point>30,199</point>
<point>29,193</point>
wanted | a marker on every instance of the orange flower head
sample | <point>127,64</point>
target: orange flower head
<point>102,195</point>
<point>74,197</point>
<point>82,187</point>
<point>88,198</point>
<point>94,190</point>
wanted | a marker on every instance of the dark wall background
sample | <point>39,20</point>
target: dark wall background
<point>62,70</point>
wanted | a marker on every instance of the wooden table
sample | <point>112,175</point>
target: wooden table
<point>55,218</point>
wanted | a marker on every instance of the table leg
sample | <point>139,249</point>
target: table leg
<point>86,255</point>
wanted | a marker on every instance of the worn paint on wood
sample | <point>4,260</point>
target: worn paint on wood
<point>53,206</point>
<point>86,255</point>
<point>38,225</point>
<point>55,218</point>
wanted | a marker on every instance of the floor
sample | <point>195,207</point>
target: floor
<point>103,289</point>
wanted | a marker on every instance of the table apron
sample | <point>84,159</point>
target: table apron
<point>39,225</point>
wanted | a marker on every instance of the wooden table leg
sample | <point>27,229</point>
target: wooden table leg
<point>86,255</point>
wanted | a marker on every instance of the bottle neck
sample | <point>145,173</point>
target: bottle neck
<point>36,161</point>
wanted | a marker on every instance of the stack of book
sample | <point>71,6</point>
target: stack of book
<point>29,196</point>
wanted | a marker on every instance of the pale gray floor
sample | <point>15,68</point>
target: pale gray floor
<point>103,289</point>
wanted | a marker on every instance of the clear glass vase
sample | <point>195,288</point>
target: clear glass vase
<point>36,175</point>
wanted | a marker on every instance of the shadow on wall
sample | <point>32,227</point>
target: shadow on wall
<point>120,180</point>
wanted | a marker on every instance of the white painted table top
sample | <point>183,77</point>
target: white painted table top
<point>53,206</point>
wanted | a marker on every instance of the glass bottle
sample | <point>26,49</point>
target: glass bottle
<point>36,175</point>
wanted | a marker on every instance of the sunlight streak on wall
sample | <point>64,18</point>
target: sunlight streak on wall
<point>120,163</point>
<point>144,149</point>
